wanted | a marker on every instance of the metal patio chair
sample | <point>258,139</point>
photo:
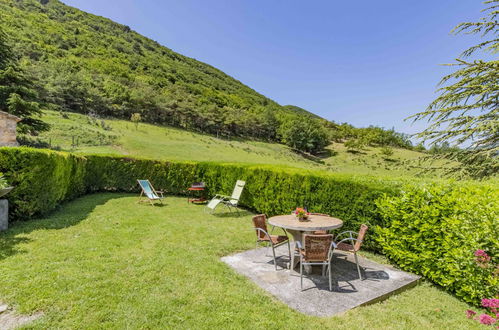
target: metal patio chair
<point>272,241</point>
<point>317,250</point>
<point>354,243</point>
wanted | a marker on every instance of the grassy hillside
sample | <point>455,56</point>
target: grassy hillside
<point>79,62</point>
<point>84,134</point>
<point>297,110</point>
<point>89,64</point>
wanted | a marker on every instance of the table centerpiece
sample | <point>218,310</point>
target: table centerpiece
<point>301,214</point>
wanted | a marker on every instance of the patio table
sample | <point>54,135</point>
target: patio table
<point>297,228</point>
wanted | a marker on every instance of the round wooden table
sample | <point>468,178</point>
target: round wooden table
<point>297,228</point>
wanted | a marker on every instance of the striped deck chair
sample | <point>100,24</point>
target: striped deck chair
<point>151,195</point>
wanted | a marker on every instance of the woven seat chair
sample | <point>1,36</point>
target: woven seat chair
<point>272,241</point>
<point>317,250</point>
<point>352,244</point>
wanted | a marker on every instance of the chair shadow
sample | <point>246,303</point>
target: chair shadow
<point>79,208</point>
<point>233,214</point>
<point>281,261</point>
<point>155,205</point>
<point>344,276</point>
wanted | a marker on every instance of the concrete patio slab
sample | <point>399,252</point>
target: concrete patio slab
<point>379,281</point>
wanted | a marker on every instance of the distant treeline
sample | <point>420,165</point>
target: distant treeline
<point>89,64</point>
<point>357,138</point>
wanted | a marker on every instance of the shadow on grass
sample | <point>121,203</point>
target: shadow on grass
<point>222,212</point>
<point>356,152</point>
<point>154,205</point>
<point>327,153</point>
<point>233,214</point>
<point>65,216</point>
<point>313,158</point>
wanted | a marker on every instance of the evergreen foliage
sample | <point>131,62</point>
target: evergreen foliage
<point>467,110</point>
<point>17,93</point>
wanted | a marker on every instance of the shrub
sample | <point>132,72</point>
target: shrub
<point>305,135</point>
<point>42,179</point>
<point>3,182</point>
<point>386,152</point>
<point>491,305</point>
<point>356,144</point>
<point>434,230</point>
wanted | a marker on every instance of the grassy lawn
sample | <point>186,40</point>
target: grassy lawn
<point>167,143</point>
<point>104,261</point>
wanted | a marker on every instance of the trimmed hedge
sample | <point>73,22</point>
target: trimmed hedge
<point>41,179</point>
<point>432,230</point>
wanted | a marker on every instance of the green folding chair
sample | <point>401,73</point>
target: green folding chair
<point>231,202</point>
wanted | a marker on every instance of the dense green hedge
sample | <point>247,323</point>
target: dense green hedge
<point>42,179</point>
<point>432,230</point>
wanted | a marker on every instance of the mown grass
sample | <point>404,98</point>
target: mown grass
<point>103,261</point>
<point>167,143</point>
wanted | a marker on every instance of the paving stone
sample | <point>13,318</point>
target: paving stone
<point>379,281</point>
<point>10,319</point>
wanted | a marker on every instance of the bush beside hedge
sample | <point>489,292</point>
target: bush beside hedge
<point>434,230</point>
<point>431,230</point>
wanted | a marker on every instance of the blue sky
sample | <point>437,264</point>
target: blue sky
<point>363,62</point>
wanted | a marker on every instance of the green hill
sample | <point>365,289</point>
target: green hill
<point>89,64</point>
<point>79,62</point>
<point>85,134</point>
<point>300,111</point>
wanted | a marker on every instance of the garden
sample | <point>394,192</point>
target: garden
<point>83,252</point>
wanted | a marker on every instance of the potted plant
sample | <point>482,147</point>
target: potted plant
<point>4,186</point>
<point>301,214</point>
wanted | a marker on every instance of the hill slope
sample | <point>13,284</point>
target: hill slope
<point>89,64</point>
<point>84,134</point>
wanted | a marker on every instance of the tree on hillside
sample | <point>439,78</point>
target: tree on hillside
<point>17,94</point>
<point>304,134</point>
<point>136,119</point>
<point>356,145</point>
<point>466,112</point>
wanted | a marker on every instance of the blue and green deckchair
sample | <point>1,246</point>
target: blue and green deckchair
<point>149,192</point>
